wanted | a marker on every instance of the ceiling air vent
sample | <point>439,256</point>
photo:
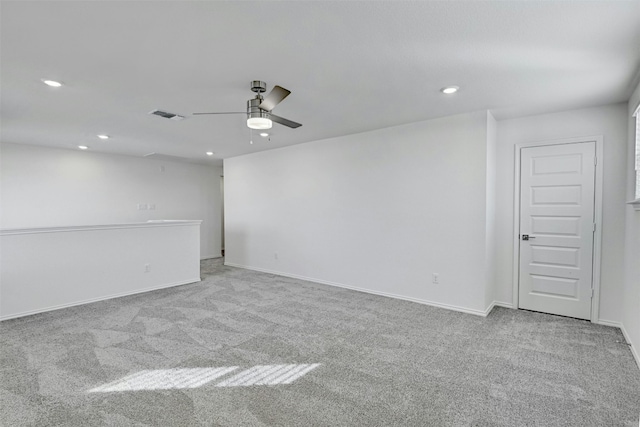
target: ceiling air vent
<point>166,115</point>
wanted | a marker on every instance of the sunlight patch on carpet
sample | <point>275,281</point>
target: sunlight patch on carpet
<point>183,378</point>
<point>268,375</point>
<point>165,379</point>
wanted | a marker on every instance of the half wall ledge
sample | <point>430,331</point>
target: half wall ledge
<point>49,268</point>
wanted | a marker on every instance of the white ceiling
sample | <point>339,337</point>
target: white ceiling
<point>351,67</point>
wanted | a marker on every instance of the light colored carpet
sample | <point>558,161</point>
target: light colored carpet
<point>243,348</point>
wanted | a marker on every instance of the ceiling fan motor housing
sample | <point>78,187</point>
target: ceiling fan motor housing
<point>253,109</point>
<point>257,118</point>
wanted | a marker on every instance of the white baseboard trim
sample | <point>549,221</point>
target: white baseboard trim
<point>497,304</point>
<point>367,291</point>
<point>489,309</point>
<point>627,338</point>
<point>210,257</point>
<point>634,351</point>
<point>89,301</point>
<point>503,304</point>
<point>611,323</point>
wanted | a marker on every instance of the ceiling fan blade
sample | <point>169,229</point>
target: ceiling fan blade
<point>283,121</point>
<point>275,97</point>
<point>233,112</point>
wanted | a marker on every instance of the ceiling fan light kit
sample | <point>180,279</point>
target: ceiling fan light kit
<point>259,123</point>
<point>256,117</point>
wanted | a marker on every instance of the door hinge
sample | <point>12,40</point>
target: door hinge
<point>594,227</point>
<point>595,160</point>
<point>591,292</point>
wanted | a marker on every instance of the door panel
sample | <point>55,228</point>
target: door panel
<point>549,256</point>
<point>553,165</point>
<point>554,286</point>
<point>559,195</point>
<point>555,225</point>
<point>557,213</point>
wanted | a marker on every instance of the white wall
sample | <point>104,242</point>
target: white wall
<point>44,187</point>
<point>47,269</point>
<point>491,261</point>
<point>383,210</point>
<point>609,121</point>
<point>631,317</point>
<point>379,211</point>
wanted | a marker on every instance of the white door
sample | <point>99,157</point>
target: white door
<point>556,228</point>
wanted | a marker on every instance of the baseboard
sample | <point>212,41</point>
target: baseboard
<point>503,304</point>
<point>89,301</point>
<point>497,304</point>
<point>627,338</point>
<point>367,291</point>
<point>634,351</point>
<point>611,323</point>
<point>489,309</point>
<point>210,257</point>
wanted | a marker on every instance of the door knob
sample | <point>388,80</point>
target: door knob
<point>527,237</point>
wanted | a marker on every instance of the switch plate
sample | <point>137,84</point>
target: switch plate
<point>436,278</point>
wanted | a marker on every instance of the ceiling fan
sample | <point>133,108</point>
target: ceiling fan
<point>258,112</point>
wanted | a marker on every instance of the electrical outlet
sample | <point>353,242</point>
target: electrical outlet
<point>436,278</point>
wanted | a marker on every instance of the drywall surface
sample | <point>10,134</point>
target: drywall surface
<point>379,211</point>
<point>631,317</point>
<point>491,260</point>
<point>48,187</point>
<point>610,122</point>
<point>45,269</point>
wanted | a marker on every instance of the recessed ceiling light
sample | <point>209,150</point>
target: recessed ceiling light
<point>449,89</point>
<point>209,153</point>
<point>264,134</point>
<point>51,83</point>
<point>83,147</point>
<point>103,136</point>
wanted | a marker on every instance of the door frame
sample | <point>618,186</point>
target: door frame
<point>597,235</point>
